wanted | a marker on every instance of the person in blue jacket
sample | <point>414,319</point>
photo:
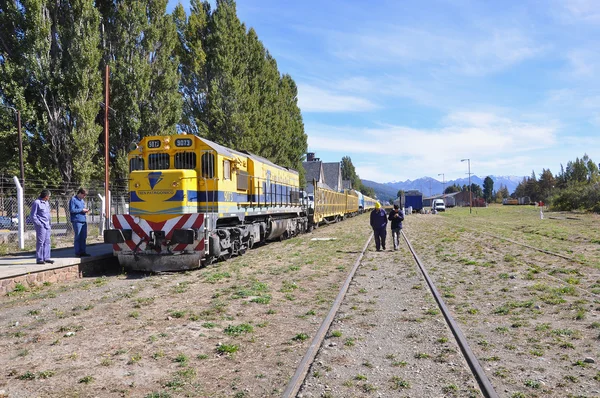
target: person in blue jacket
<point>379,223</point>
<point>78,211</point>
<point>40,216</point>
<point>396,217</point>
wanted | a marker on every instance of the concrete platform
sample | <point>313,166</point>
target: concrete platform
<point>22,268</point>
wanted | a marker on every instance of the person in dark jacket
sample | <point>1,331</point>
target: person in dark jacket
<point>379,224</point>
<point>40,216</point>
<point>78,211</point>
<point>396,217</point>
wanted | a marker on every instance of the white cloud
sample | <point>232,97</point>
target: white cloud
<point>582,10</point>
<point>464,132</point>
<point>469,53</point>
<point>489,140</point>
<point>315,99</point>
<point>583,63</point>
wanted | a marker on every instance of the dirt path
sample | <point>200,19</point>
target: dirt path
<point>389,338</point>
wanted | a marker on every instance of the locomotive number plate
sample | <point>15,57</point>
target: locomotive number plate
<point>154,144</point>
<point>183,142</point>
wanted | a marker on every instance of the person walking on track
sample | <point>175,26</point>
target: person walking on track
<point>396,217</point>
<point>40,216</point>
<point>379,224</point>
<point>78,211</point>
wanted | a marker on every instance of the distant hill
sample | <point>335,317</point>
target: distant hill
<point>430,186</point>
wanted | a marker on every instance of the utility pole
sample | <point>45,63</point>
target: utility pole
<point>470,191</point>
<point>106,188</point>
<point>18,114</point>
<point>443,187</point>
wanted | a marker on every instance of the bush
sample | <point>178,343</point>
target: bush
<point>584,197</point>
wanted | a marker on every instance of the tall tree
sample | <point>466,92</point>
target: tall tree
<point>57,56</point>
<point>191,49</point>
<point>546,185</point>
<point>476,189</point>
<point>140,40</point>
<point>503,192</point>
<point>488,189</point>
<point>532,188</point>
<point>228,83</point>
<point>349,173</point>
<point>452,188</point>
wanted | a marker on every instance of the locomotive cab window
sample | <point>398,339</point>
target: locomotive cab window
<point>158,161</point>
<point>185,160</point>
<point>136,164</point>
<point>226,170</point>
<point>208,165</point>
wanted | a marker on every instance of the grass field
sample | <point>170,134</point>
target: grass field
<point>533,318</point>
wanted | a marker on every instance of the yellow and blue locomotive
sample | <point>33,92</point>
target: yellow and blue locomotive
<point>193,200</point>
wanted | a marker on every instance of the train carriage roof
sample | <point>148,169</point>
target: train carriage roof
<point>230,152</point>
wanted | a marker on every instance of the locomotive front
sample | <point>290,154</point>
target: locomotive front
<point>164,230</point>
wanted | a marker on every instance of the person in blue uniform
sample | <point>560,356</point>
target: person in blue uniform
<point>379,224</point>
<point>78,211</point>
<point>40,216</point>
<point>396,217</point>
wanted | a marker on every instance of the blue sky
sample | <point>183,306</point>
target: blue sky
<point>409,88</point>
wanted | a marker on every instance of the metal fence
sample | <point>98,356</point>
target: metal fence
<point>62,229</point>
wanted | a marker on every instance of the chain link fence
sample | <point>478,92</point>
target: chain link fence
<point>62,229</point>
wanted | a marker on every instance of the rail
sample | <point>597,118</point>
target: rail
<point>296,382</point>
<point>484,383</point>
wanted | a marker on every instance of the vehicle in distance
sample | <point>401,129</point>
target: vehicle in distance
<point>438,205</point>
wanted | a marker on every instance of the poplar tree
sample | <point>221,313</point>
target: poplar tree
<point>228,85</point>
<point>263,81</point>
<point>140,40</point>
<point>51,64</point>
<point>488,189</point>
<point>191,50</point>
<point>291,138</point>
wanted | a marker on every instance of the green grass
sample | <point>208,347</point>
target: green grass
<point>238,330</point>
<point>86,380</point>
<point>227,349</point>
<point>300,337</point>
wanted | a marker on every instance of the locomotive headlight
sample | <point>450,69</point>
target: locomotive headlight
<point>136,185</point>
<point>167,147</point>
<point>166,140</point>
<point>174,184</point>
<point>133,146</point>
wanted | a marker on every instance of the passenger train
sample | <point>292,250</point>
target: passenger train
<point>193,201</point>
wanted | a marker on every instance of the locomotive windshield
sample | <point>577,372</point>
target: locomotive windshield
<point>136,164</point>
<point>158,161</point>
<point>185,160</point>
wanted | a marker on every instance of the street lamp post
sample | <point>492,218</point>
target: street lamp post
<point>443,187</point>
<point>470,191</point>
<point>18,113</point>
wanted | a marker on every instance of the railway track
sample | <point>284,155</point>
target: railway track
<point>298,381</point>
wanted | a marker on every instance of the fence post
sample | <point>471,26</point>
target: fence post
<point>20,201</point>
<point>102,215</point>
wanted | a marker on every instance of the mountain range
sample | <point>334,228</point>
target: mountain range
<point>430,186</point>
